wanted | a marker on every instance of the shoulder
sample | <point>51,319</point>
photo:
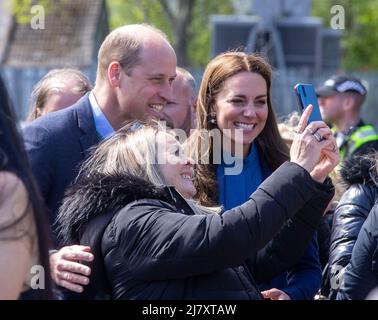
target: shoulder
<point>58,121</point>
<point>52,121</point>
<point>14,200</point>
<point>144,212</point>
<point>11,186</point>
<point>361,195</point>
<point>144,207</point>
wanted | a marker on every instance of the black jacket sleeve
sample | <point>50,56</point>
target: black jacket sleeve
<point>361,274</point>
<point>350,214</point>
<point>159,243</point>
<point>289,245</point>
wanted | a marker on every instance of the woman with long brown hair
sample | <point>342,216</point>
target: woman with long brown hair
<point>235,99</point>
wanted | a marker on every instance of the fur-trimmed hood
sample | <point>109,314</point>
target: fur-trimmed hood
<point>359,169</point>
<point>90,197</point>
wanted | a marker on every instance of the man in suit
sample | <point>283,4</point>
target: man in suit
<point>136,68</point>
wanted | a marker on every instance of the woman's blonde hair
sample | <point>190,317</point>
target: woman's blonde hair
<point>133,150</point>
<point>129,150</point>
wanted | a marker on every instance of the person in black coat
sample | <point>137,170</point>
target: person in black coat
<point>359,175</point>
<point>361,273</point>
<point>133,205</point>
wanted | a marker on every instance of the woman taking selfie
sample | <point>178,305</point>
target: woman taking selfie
<point>133,204</point>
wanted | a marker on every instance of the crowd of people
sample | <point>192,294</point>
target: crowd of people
<point>140,188</point>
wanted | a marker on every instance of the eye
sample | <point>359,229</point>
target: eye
<point>260,102</point>
<point>171,80</point>
<point>177,152</point>
<point>157,80</point>
<point>236,101</point>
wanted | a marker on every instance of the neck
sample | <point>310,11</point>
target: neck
<point>344,124</point>
<point>109,105</point>
<point>236,148</point>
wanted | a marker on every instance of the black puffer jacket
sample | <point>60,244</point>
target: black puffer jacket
<point>359,175</point>
<point>361,274</point>
<point>149,244</point>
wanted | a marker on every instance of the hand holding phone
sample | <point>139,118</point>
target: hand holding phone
<point>306,95</point>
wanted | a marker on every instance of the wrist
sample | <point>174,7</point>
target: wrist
<point>317,176</point>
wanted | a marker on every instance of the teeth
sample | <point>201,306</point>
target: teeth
<point>157,107</point>
<point>187,176</point>
<point>244,125</point>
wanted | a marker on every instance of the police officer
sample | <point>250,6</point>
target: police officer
<point>340,100</point>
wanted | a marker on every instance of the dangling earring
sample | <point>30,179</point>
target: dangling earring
<point>213,119</point>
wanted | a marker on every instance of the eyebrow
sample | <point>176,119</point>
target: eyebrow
<point>161,75</point>
<point>243,96</point>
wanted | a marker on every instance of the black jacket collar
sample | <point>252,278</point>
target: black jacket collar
<point>91,197</point>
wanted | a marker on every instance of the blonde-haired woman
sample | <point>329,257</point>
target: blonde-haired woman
<point>133,204</point>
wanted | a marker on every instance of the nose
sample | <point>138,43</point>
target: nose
<point>187,161</point>
<point>249,111</point>
<point>166,91</point>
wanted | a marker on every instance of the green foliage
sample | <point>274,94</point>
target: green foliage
<point>21,8</point>
<point>360,37</point>
<point>150,11</point>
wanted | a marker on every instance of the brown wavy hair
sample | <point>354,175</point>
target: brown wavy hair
<point>272,148</point>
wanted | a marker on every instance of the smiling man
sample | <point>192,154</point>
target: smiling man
<point>136,68</point>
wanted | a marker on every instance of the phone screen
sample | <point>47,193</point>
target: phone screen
<point>306,95</point>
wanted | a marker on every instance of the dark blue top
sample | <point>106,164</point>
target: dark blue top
<point>236,189</point>
<point>303,280</point>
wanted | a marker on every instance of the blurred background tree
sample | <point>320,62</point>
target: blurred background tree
<point>186,22</point>
<point>360,37</point>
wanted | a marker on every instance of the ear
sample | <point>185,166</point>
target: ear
<point>38,112</point>
<point>114,73</point>
<point>348,103</point>
<point>194,104</point>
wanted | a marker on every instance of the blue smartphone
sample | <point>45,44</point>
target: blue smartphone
<point>306,95</point>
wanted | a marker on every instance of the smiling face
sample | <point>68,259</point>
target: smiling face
<point>174,165</point>
<point>242,104</point>
<point>145,91</point>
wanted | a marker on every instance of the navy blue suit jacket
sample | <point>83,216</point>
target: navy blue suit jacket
<point>56,144</point>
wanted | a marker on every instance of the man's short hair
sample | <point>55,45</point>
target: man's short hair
<point>123,45</point>
<point>188,77</point>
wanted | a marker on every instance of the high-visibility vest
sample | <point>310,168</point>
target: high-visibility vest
<point>357,138</point>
